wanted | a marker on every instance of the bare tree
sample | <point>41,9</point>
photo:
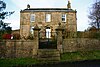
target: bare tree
<point>94,14</point>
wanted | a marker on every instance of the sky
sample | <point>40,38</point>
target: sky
<point>82,7</point>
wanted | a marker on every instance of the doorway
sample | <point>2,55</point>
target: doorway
<point>48,32</point>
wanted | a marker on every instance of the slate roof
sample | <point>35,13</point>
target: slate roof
<point>48,10</point>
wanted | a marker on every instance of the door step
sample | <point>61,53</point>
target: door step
<point>48,55</point>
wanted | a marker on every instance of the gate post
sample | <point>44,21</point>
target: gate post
<point>36,38</point>
<point>59,38</point>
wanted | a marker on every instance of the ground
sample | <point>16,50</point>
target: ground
<point>86,63</point>
<point>70,59</point>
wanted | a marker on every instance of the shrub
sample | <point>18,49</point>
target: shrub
<point>6,36</point>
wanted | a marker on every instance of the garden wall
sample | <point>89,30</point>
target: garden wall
<point>80,44</point>
<point>28,48</point>
<point>18,48</point>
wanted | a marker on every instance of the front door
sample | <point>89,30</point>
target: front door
<point>48,32</point>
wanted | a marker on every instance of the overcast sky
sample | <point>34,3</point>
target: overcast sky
<point>82,7</point>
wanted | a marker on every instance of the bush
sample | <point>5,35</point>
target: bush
<point>6,36</point>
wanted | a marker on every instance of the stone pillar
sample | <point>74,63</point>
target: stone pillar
<point>36,39</point>
<point>59,38</point>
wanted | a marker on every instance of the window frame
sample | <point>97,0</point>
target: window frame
<point>63,17</point>
<point>32,18</point>
<point>48,18</point>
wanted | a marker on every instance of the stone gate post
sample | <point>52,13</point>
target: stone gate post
<point>59,38</point>
<point>36,39</point>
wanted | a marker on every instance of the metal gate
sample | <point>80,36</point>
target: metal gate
<point>47,42</point>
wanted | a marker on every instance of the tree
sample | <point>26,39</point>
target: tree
<point>94,15</point>
<point>4,28</point>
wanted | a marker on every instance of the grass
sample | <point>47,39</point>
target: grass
<point>68,56</point>
<point>80,55</point>
<point>17,61</point>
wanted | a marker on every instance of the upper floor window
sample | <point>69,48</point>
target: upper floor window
<point>63,17</point>
<point>48,17</point>
<point>32,18</point>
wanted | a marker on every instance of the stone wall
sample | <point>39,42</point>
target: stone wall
<point>29,48</point>
<point>18,48</point>
<point>80,44</point>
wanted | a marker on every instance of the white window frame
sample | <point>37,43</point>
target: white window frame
<point>32,18</point>
<point>63,17</point>
<point>48,18</point>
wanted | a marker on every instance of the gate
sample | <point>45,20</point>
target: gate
<point>47,40</point>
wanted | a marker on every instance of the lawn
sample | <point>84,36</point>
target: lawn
<point>66,57</point>
<point>17,62</point>
<point>80,55</point>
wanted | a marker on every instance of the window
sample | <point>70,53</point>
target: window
<point>31,30</point>
<point>48,17</point>
<point>32,19</point>
<point>63,17</point>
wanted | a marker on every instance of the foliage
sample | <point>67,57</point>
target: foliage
<point>6,36</point>
<point>97,35</point>
<point>94,15</point>
<point>4,28</point>
<point>89,34</point>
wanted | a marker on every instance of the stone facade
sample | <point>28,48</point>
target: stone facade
<point>55,17</point>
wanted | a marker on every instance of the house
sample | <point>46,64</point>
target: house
<point>48,20</point>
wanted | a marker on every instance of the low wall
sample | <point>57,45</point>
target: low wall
<point>80,44</point>
<point>18,48</point>
<point>28,48</point>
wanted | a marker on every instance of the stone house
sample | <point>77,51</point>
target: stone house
<point>48,20</point>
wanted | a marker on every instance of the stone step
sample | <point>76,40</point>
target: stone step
<point>47,50</point>
<point>48,54</point>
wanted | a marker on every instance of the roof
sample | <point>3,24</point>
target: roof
<point>48,10</point>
